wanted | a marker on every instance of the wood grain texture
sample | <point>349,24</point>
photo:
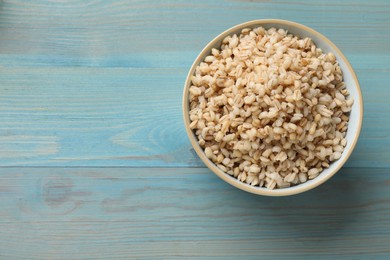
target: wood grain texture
<point>125,213</point>
<point>99,83</point>
<point>95,162</point>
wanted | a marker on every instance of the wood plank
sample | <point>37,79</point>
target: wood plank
<point>122,213</point>
<point>131,117</point>
<point>89,29</point>
<point>82,116</point>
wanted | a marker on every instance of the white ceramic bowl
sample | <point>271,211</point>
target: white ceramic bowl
<point>355,120</point>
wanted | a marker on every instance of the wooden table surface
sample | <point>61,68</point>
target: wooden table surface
<point>95,161</point>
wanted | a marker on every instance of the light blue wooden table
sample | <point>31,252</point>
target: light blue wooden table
<point>95,162</point>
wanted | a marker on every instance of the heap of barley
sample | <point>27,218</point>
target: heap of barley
<point>270,108</point>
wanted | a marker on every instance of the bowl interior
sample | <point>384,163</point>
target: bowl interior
<point>350,79</point>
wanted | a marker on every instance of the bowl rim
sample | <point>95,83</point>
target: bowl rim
<point>233,181</point>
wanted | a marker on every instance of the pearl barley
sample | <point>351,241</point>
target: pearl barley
<point>269,108</point>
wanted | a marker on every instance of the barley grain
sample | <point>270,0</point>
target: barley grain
<point>269,108</point>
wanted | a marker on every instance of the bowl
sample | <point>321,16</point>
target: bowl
<point>355,119</point>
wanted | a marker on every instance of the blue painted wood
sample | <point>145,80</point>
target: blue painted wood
<point>123,213</point>
<point>97,83</point>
